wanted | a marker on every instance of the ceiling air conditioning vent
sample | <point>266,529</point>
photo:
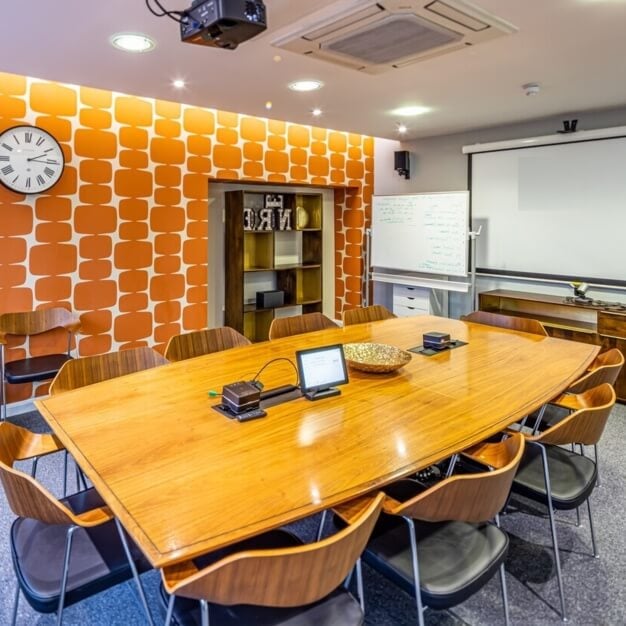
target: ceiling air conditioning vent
<point>377,36</point>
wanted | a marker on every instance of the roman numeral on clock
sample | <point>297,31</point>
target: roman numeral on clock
<point>28,183</point>
<point>39,141</point>
<point>49,172</point>
<point>28,137</point>
<point>7,169</point>
<point>4,157</point>
<point>6,146</point>
<point>40,180</point>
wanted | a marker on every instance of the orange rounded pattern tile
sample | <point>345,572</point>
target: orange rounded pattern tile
<point>133,280</point>
<point>133,302</point>
<point>95,97</point>
<point>132,326</point>
<point>96,172</point>
<point>201,146</point>
<point>199,121</point>
<point>95,118</point>
<point>133,111</point>
<point>253,129</point>
<point>12,250</point>
<point>133,254</point>
<point>95,144</point>
<point>95,220</point>
<point>135,138</point>
<point>97,269</point>
<point>97,294</point>
<point>95,247</point>
<point>166,128</point>
<point>167,312</point>
<point>133,159</point>
<point>53,288</point>
<point>133,209</point>
<point>167,264</point>
<point>167,175</point>
<point>16,299</point>
<point>95,344</point>
<point>133,183</point>
<point>195,316</point>
<point>53,99</point>
<point>133,230</point>
<point>21,222</point>
<point>12,108</point>
<point>95,194</point>
<point>226,136</point>
<point>168,151</point>
<point>167,244</point>
<point>53,259</point>
<point>195,251</point>
<point>167,287</point>
<point>53,232</point>
<point>14,277</point>
<point>169,197</point>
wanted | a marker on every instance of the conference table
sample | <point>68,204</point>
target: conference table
<point>185,480</point>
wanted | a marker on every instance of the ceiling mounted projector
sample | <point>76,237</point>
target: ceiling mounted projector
<point>222,23</point>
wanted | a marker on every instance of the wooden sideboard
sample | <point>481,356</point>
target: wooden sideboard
<point>600,324</point>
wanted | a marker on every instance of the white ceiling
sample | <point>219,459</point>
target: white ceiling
<point>574,48</point>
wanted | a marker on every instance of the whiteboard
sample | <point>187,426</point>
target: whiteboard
<point>426,232</point>
<point>552,211</point>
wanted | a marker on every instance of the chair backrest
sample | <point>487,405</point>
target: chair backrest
<point>585,425</point>
<point>27,498</point>
<point>467,497</point>
<point>361,315</point>
<point>512,322</point>
<point>94,369</point>
<point>199,342</point>
<point>605,369</point>
<point>284,577</point>
<point>298,324</point>
<point>36,322</point>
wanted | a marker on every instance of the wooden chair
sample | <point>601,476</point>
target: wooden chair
<point>199,342</point>
<point>37,367</point>
<point>450,550</point>
<point>558,477</point>
<point>80,527</point>
<point>94,369</point>
<point>299,324</point>
<point>361,315</point>
<point>522,324</point>
<point>274,578</point>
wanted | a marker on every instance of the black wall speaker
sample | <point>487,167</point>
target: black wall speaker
<point>401,162</point>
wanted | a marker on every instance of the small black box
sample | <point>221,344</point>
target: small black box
<point>270,299</point>
<point>436,340</point>
<point>241,396</point>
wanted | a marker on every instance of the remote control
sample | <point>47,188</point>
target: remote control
<point>252,414</point>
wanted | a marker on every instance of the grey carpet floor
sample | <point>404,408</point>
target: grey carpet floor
<point>595,588</point>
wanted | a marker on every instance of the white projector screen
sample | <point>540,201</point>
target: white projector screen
<point>555,211</point>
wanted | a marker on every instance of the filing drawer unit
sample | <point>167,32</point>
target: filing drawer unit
<point>409,301</point>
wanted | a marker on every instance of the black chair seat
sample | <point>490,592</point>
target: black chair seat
<point>97,559</point>
<point>572,477</point>
<point>337,609</point>
<point>455,558</point>
<point>34,369</point>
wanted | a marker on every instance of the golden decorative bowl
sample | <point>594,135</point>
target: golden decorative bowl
<point>375,357</point>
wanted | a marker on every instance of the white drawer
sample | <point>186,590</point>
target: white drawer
<point>410,301</point>
<point>411,292</point>
<point>407,311</point>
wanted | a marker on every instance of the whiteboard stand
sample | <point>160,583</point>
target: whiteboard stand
<point>366,270</point>
<point>473,235</point>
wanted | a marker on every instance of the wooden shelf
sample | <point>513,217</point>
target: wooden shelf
<point>565,320</point>
<point>291,258</point>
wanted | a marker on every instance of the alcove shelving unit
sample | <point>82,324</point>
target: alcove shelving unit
<point>273,241</point>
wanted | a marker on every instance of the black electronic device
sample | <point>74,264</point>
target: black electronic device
<point>252,414</point>
<point>270,299</point>
<point>569,126</point>
<point>241,396</point>
<point>401,162</point>
<point>320,370</point>
<point>222,23</point>
<point>436,340</point>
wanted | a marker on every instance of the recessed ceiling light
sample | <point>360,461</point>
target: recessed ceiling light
<point>268,105</point>
<point>402,129</point>
<point>305,85</point>
<point>277,58</point>
<point>410,111</point>
<point>179,83</point>
<point>316,112</point>
<point>132,42</point>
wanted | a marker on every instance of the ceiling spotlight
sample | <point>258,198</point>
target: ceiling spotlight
<point>531,89</point>
<point>305,85</point>
<point>316,112</point>
<point>179,83</point>
<point>402,129</point>
<point>277,58</point>
<point>132,42</point>
<point>410,111</point>
<point>268,105</point>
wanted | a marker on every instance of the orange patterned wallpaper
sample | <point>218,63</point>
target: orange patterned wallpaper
<point>122,238</point>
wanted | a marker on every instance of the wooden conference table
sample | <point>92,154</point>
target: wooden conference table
<point>184,480</point>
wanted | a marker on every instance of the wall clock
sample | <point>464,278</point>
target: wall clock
<point>31,159</point>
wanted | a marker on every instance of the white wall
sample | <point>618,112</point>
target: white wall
<point>437,164</point>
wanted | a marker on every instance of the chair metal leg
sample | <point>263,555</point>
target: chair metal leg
<point>15,603</point>
<point>595,452</point>
<point>416,573</point>
<point>170,610</point>
<point>204,609</point>
<point>596,554</point>
<point>133,568</point>
<point>453,459</point>
<point>33,467</point>
<point>557,560</point>
<point>320,530</point>
<point>66,571</point>
<point>3,387</point>
<point>542,410</point>
<point>505,597</point>
<point>359,584</point>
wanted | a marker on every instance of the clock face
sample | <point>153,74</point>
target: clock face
<point>31,159</point>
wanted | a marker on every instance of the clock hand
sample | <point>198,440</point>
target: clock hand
<point>37,157</point>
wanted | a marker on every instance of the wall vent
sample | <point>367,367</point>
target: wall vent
<point>378,36</point>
